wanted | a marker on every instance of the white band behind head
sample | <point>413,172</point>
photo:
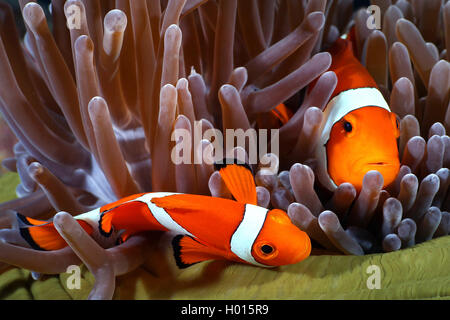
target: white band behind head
<point>247,232</point>
<point>345,102</point>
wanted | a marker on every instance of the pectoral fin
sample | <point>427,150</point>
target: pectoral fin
<point>188,251</point>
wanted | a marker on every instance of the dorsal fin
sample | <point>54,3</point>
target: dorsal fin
<point>238,178</point>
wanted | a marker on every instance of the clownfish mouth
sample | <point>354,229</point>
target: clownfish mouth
<point>363,163</point>
<point>380,166</point>
<point>384,166</point>
<point>381,163</point>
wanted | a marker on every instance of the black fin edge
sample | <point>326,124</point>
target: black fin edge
<point>23,219</point>
<point>100,227</point>
<point>177,252</point>
<point>229,161</point>
<point>25,233</point>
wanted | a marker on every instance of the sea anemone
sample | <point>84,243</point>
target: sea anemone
<point>94,108</point>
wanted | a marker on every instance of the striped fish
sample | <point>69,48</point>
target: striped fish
<point>208,228</point>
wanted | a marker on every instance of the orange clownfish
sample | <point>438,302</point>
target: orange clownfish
<point>209,228</point>
<point>359,132</point>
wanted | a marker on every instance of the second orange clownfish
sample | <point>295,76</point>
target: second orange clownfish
<point>359,132</point>
<point>209,228</point>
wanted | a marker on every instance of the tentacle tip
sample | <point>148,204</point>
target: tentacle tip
<point>402,22</point>
<point>173,33</point>
<point>313,115</point>
<point>168,87</point>
<point>303,170</point>
<point>330,76</point>
<point>84,43</point>
<point>193,72</point>
<point>182,83</point>
<point>33,15</point>
<point>316,20</point>
<point>410,179</point>
<point>182,122</point>
<point>173,28</point>
<point>97,105</point>
<point>433,180</point>
<point>227,90</point>
<point>329,221</point>
<point>61,218</point>
<point>324,55</point>
<point>404,84</point>
<point>35,169</point>
<point>116,21</point>
<point>373,178</point>
<point>348,188</point>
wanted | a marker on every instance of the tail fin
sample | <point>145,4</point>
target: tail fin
<point>42,235</point>
<point>282,113</point>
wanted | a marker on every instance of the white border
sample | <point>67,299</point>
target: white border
<point>247,232</point>
<point>161,214</point>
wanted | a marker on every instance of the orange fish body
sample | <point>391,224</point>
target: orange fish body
<point>209,228</point>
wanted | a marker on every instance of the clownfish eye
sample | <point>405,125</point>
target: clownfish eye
<point>267,249</point>
<point>348,126</point>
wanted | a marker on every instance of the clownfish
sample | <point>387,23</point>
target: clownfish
<point>208,228</point>
<point>359,132</point>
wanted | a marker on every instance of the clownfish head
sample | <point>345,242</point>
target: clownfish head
<point>364,139</point>
<point>280,242</point>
